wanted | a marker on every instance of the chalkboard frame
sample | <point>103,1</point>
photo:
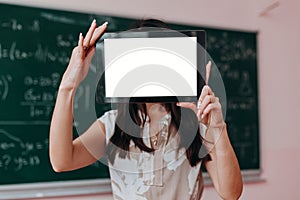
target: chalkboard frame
<point>88,187</point>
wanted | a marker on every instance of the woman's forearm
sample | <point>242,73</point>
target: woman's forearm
<point>64,153</point>
<point>225,165</point>
<point>61,130</point>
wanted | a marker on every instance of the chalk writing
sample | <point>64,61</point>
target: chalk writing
<point>65,40</point>
<point>43,81</point>
<point>238,103</point>
<point>17,163</point>
<point>57,18</point>
<point>17,154</point>
<point>230,49</point>
<point>12,24</point>
<point>32,95</point>
<point>15,25</point>
<point>4,85</point>
<point>39,102</point>
<point>245,86</point>
<point>41,53</point>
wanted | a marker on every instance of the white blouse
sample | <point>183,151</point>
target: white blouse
<point>164,174</point>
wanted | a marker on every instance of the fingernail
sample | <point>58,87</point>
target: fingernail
<point>104,24</point>
<point>94,21</point>
<point>202,116</point>
<point>178,104</point>
<point>80,36</point>
<point>209,62</point>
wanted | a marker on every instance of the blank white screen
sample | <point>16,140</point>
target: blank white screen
<point>146,67</point>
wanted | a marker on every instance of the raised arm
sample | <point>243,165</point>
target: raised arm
<point>66,154</point>
<point>223,167</point>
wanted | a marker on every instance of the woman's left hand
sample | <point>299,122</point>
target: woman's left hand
<point>223,167</point>
<point>208,108</point>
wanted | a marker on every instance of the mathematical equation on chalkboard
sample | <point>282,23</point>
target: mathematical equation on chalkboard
<point>41,53</point>
<point>230,48</point>
<point>39,94</point>
<point>17,154</point>
<point>31,47</point>
<point>14,25</point>
<point>18,49</point>
<point>4,85</point>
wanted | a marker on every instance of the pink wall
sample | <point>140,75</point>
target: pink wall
<point>279,93</point>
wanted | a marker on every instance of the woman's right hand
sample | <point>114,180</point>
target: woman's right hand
<point>81,57</point>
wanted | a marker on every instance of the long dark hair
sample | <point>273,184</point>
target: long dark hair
<point>183,122</point>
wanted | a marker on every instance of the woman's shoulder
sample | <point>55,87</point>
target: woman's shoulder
<point>108,119</point>
<point>108,116</point>
<point>110,113</point>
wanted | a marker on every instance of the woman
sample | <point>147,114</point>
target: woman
<point>154,150</point>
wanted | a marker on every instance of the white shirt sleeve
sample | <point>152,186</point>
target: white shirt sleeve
<point>109,120</point>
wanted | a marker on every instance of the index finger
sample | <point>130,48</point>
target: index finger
<point>89,34</point>
<point>98,33</point>
<point>206,90</point>
<point>208,69</point>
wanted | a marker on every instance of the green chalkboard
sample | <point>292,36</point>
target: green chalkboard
<point>35,45</point>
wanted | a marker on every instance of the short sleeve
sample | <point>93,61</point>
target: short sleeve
<point>109,120</point>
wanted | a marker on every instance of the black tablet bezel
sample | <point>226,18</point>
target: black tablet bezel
<point>201,61</point>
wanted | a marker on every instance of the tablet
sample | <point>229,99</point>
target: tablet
<point>151,66</point>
